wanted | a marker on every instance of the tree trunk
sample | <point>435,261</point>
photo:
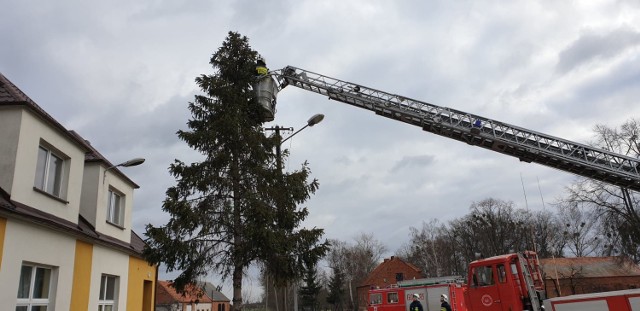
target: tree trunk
<point>237,288</point>
<point>295,296</point>
<point>275,294</point>
<point>285,303</point>
<point>237,237</point>
<point>351,296</point>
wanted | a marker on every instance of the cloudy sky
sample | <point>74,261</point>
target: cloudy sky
<point>121,74</point>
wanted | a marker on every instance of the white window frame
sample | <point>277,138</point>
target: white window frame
<point>29,302</point>
<point>103,302</point>
<point>44,170</point>
<point>115,207</point>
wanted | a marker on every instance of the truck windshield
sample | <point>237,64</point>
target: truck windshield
<point>483,276</point>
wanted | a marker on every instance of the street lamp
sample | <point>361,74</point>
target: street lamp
<point>315,119</point>
<point>129,163</point>
<point>132,162</point>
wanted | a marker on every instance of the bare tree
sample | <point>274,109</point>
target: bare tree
<point>495,227</point>
<point>617,205</point>
<point>426,248</point>
<point>356,261</point>
<point>547,233</point>
<point>579,229</point>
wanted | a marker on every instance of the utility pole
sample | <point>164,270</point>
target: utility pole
<point>277,130</point>
<point>315,119</point>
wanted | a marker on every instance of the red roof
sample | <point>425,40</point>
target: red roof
<point>167,294</point>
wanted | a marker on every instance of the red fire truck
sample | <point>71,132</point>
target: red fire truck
<point>399,296</point>
<point>501,283</point>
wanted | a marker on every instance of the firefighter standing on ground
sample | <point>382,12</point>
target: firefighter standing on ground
<point>415,304</point>
<point>444,305</point>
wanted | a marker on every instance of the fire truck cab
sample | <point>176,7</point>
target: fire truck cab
<point>505,282</point>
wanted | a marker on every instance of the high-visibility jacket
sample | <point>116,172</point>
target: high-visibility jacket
<point>262,70</point>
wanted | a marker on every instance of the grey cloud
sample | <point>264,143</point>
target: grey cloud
<point>592,46</point>
<point>172,9</point>
<point>154,129</point>
<point>613,93</point>
<point>413,162</point>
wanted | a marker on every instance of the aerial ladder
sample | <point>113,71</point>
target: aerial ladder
<point>526,145</point>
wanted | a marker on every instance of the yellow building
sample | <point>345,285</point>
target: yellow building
<point>65,218</point>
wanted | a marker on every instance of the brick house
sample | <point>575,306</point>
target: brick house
<point>583,275</point>
<point>194,299</point>
<point>386,274</point>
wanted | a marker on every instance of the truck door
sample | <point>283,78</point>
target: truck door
<point>433,297</point>
<point>483,290</point>
<point>422,293</point>
<point>510,297</point>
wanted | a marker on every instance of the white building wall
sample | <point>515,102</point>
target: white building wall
<point>32,130</point>
<point>102,225</point>
<point>9,133</point>
<point>91,182</point>
<point>108,261</point>
<point>25,242</point>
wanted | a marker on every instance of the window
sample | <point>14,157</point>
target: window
<point>483,276</point>
<point>34,288</point>
<point>115,208</point>
<point>399,277</point>
<point>375,299</point>
<point>392,297</point>
<point>49,172</point>
<point>108,293</point>
<point>502,273</point>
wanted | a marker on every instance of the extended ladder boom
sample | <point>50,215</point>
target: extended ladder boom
<point>526,145</point>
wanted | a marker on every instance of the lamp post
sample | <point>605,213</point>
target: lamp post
<point>315,119</point>
<point>132,162</point>
<point>129,163</point>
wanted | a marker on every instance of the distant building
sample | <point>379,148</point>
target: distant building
<point>386,274</point>
<point>220,301</point>
<point>194,298</point>
<point>66,241</point>
<point>583,275</point>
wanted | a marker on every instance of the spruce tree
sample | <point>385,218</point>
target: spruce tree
<point>309,292</point>
<point>224,208</point>
<point>336,289</point>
